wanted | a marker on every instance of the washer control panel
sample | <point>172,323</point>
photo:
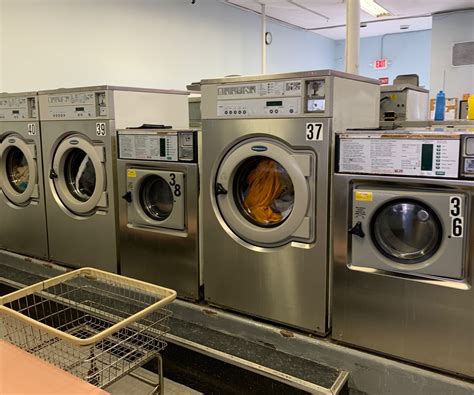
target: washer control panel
<point>412,154</point>
<point>18,108</point>
<point>158,145</point>
<point>78,105</point>
<point>272,99</point>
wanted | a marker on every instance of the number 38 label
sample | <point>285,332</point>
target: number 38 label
<point>456,214</point>
<point>314,131</point>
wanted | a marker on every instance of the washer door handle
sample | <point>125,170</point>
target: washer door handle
<point>357,230</point>
<point>53,174</point>
<point>128,197</point>
<point>220,190</point>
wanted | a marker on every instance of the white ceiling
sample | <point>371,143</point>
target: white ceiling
<point>328,17</point>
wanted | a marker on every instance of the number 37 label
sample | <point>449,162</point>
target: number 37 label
<point>456,213</point>
<point>314,131</point>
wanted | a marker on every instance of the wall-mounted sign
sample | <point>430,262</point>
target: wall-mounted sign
<point>380,64</point>
<point>384,80</point>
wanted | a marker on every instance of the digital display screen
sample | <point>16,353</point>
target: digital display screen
<point>427,157</point>
<point>162,147</point>
<point>79,108</point>
<point>274,103</point>
<point>15,112</point>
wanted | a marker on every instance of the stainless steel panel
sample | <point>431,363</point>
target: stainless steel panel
<point>162,256</point>
<point>286,284</point>
<point>301,74</point>
<point>81,240</point>
<point>23,229</point>
<point>426,322</point>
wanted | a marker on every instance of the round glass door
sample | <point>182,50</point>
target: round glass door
<point>263,191</point>
<point>406,231</point>
<point>17,169</point>
<point>156,198</point>
<point>79,173</point>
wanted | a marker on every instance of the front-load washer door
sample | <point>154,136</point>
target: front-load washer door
<point>264,195</point>
<point>18,170</point>
<point>413,232</point>
<point>78,175</point>
<point>157,198</point>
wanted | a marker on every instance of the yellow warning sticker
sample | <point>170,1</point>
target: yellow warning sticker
<point>361,196</point>
<point>131,173</point>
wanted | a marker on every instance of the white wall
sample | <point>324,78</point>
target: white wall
<point>449,29</point>
<point>153,43</point>
<point>408,53</point>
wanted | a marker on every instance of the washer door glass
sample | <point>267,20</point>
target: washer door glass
<point>263,191</point>
<point>18,171</point>
<point>407,231</point>
<point>79,174</point>
<point>156,197</point>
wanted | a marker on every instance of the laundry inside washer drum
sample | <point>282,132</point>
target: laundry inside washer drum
<point>80,175</point>
<point>408,232</point>
<point>264,191</point>
<point>17,169</point>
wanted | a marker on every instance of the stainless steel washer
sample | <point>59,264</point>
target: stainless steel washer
<point>22,199</point>
<point>79,150</point>
<point>403,262</point>
<point>158,180</point>
<point>267,150</point>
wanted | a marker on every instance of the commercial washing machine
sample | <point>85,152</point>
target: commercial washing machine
<point>158,180</point>
<point>403,257</point>
<point>267,151</point>
<point>22,199</point>
<point>79,150</point>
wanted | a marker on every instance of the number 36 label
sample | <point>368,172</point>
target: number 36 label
<point>314,131</point>
<point>456,214</point>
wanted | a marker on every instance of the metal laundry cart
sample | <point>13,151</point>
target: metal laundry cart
<point>96,325</point>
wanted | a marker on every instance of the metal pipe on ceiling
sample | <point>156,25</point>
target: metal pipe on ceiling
<point>352,36</point>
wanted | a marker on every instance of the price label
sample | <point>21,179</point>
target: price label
<point>314,131</point>
<point>100,129</point>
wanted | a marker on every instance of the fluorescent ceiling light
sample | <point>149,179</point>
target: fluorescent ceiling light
<point>372,8</point>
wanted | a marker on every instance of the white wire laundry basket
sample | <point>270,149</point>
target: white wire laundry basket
<point>96,325</point>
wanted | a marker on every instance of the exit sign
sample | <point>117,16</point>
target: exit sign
<point>380,64</point>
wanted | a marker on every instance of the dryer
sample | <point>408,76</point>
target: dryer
<point>79,151</point>
<point>403,259</point>
<point>267,150</point>
<point>158,180</point>
<point>22,199</point>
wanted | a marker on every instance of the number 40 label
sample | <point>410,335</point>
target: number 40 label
<point>457,219</point>
<point>314,131</point>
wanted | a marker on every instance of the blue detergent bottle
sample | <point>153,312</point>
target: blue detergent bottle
<point>440,106</point>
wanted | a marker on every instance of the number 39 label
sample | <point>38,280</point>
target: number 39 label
<point>456,214</point>
<point>100,129</point>
<point>314,131</point>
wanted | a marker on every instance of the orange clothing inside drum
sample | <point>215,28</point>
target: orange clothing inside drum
<point>264,186</point>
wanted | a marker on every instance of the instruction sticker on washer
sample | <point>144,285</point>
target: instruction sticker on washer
<point>148,147</point>
<point>406,157</point>
<point>363,196</point>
